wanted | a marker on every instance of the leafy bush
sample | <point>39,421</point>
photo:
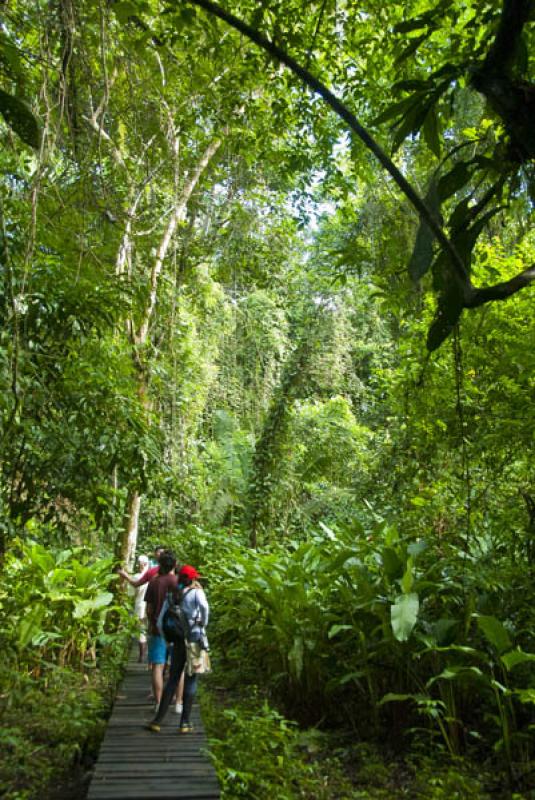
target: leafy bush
<point>55,605</point>
<point>259,754</point>
<point>343,624</point>
<point>63,639</point>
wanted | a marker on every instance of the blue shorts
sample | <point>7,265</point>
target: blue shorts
<point>157,650</point>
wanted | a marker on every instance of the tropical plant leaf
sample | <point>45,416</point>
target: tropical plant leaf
<point>19,117</point>
<point>431,132</point>
<point>516,657</point>
<point>422,255</point>
<point>398,108</point>
<point>30,626</point>
<point>494,632</point>
<point>407,581</point>
<point>454,672</point>
<point>337,628</point>
<point>454,180</point>
<point>403,615</point>
<point>525,695</point>
<point>412,47</point>
<point>392,563</point>
<point>465,240</point>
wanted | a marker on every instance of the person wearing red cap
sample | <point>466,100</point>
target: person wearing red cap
<point>190,597</point>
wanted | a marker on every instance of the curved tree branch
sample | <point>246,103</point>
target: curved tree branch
<point>501,291</point>
<point>471,297</point>
<point>344,113</point>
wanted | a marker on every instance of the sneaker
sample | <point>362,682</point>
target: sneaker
<point>187,728</point>
<point>153,727</point>
<point>178,708</point>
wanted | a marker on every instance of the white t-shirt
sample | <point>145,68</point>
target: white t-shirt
<point>140,607</point>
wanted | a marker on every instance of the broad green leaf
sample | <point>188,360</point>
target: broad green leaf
<point>443,631</point>
<point>30,626</point>
<point>407,581</point>
<point>396,109</point>
<point>337,628</point>
<point>124,10</point>
<point>465,240</point>
<point>525,695</point>
<point>393,697</point>
<point>413,119</point>
<point>454,180</point>
<point>403,616</point>
<point>19,117</point>
<point>392,563</point>
<point>516,657</point>
<point>459,215</point>
<point>84,607</point>
<point>453,672</point>
<point>495,632</point>
<point>431,132</point>
<point>412,47</point>
<point>9,55</point>
<point>422,255</point>
<point>352,676</point>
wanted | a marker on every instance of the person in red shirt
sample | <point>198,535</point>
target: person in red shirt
<point>147,576</point>
<point>159,586</point>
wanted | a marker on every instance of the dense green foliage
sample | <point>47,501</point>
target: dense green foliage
<point>228,324</point>
<point>63,643</point>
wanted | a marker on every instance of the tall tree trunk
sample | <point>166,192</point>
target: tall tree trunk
<point>129,539</point>
<point>140,336</point>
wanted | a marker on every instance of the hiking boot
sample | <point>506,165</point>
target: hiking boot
<point>153,727</point>
<point>186,728</point>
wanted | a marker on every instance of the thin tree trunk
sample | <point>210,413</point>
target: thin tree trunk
<point>129,539</point>
<point>140,337</point>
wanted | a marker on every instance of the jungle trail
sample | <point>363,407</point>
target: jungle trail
<point>266,300</point>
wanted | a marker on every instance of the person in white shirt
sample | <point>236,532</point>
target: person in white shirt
<point>140,607</point>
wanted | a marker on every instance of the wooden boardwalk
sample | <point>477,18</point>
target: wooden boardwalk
<point>135,764</point>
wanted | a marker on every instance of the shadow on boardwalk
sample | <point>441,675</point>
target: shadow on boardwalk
<point>134,764</point>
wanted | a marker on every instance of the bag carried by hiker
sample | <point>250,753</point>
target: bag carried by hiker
<point>174,626</point>
<point>197,659</point>
<point>172,621</point>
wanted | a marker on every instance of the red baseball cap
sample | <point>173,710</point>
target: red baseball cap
<point>189,572</point>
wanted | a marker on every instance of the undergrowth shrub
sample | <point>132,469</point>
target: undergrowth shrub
<point>63,639</point>
<point>260,755</point>
<point>373,631</point>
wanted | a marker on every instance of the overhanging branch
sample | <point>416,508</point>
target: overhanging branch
<point>501,291</point>
<point>344,113</point>
<point>472,297</point>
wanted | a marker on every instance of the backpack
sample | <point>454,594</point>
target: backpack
<point>173,622</point>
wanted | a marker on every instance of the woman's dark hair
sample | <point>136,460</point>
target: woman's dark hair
<point>166,561</point>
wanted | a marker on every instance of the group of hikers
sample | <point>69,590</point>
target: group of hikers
<point>172,609</point>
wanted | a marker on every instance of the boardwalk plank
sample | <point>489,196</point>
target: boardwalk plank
<point>135,764</point>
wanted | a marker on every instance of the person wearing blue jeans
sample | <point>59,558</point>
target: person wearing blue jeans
<point>157,590</point>
<point>194,607</point>
<point>178,662</point>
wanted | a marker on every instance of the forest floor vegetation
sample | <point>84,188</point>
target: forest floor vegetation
<point>51,730</point>
<point>259,754</point>
<point>64,640</point>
